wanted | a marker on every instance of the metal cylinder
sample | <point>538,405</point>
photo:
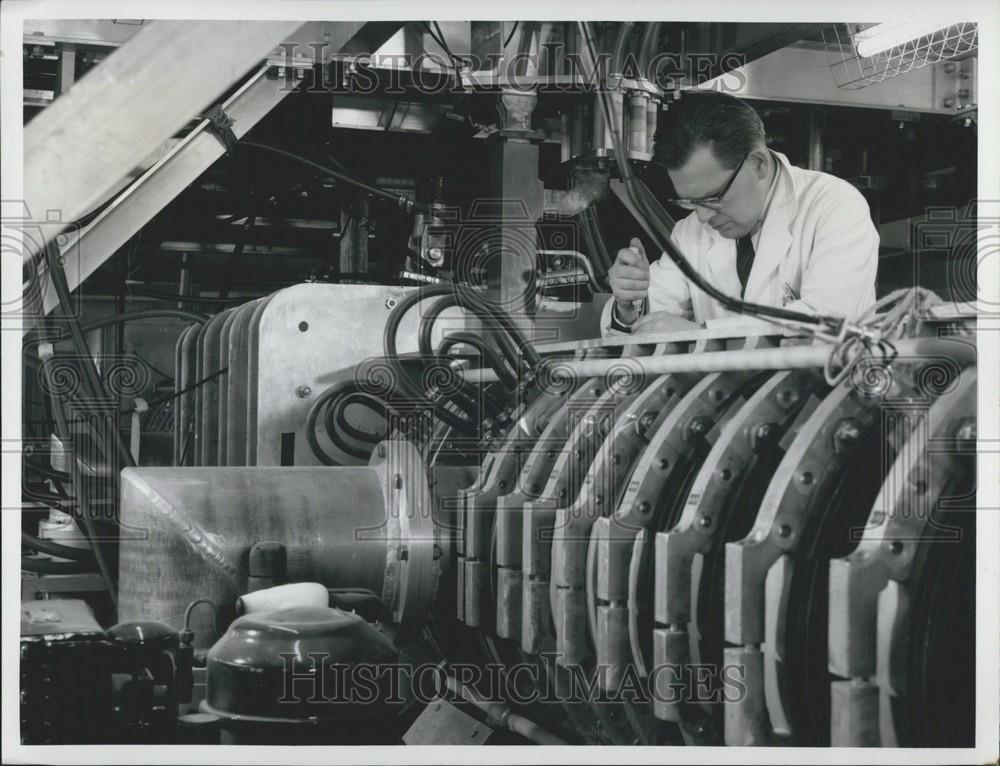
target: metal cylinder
<point>784,358</point>
<point>206,520</point>
<point>652,121</point>
<point>637,105</point>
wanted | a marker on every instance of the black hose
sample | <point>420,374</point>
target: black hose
<point>506,344</point>
<point>84,521</point>
<point>313,416</point>
<point>93,384</point>
<point>661,231</point>
<point>593,222</point>
<point>406,204</point>
<point>53,548</point>
<point>618,59</point>
<point>205,299</point>
<point>129,316</point>
<point>492,316</point>
<point>489,355</point>
<point>46,471</point>
<point>46,566</point>
<point>647,47</point>
<point>234,258</point>
<point>336,415</point>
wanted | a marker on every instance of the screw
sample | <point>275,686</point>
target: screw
<point>705,521</point>
<point>896,547</point>
<point>766,432</point>
<point>785,530</point>
<point>303,392</point>
<point>391,302</point>
<point>788,396</point>
<point>698,427</point>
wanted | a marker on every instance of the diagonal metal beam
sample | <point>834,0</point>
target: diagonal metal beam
<point>194,154</point>
<point>79,147</point>
<point>153,190</point>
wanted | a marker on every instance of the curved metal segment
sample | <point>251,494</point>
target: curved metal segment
<point>721,505</point>
<point>903,531</point>
<point>479,502</point>
<point>590,426</point>
<point>509,519</point>
<point>822,487</point>
<point>599,495</point>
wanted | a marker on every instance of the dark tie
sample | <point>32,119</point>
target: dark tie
<point>744,261</point>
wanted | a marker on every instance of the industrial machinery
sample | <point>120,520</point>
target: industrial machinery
<point>439,507</point>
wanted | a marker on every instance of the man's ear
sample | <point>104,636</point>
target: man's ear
<point>760,162</point>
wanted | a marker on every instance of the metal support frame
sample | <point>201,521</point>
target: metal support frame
<point>801,73</point>
<point>515,185</point>
<point>195,153</point>
<point>77,149</point>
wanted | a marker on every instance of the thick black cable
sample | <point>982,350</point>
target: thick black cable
<point>336,415</point>
<point>84,520</point>
<point>663,241</point>
<point>175,394</point>
<point>405,203</point>
<point>128,316</point>
<point>618,57</point>
<point>93,384</point>
<point>489,355</point>
<point>429,316</point>
<point>510,36</point>
<point>177,298</point>
<point>49,567</point>
<point>54,548</point>
<point>467,301</point>
<point>492,316</point>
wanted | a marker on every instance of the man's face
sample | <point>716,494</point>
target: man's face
<point>704,176</point>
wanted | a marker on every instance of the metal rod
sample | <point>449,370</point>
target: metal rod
<point>787,358</point>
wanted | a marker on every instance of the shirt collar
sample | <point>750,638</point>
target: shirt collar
<point>769,197</point>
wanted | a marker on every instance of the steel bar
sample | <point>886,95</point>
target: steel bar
<point>139,97</point>
<point>788,358</point>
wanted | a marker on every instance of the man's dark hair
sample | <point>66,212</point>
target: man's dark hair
<point>730,126</point>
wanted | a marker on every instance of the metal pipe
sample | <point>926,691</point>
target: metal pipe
<point>786,358</point>
<point>499,714</point>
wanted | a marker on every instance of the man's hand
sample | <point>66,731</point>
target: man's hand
<point>629,278</point>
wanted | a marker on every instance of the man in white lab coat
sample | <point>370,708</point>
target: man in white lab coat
<point>760,228</point>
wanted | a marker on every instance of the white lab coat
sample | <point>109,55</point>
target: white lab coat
<point>817,253</point>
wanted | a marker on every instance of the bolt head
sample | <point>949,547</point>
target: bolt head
<point>303,392</point>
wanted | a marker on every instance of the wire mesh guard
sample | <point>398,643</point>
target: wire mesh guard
<point>868,54</point>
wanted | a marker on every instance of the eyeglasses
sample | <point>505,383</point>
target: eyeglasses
<point>714,202</point>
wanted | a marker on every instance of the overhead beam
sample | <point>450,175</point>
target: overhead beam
<point>188,159</point>
<point>142,94</point>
